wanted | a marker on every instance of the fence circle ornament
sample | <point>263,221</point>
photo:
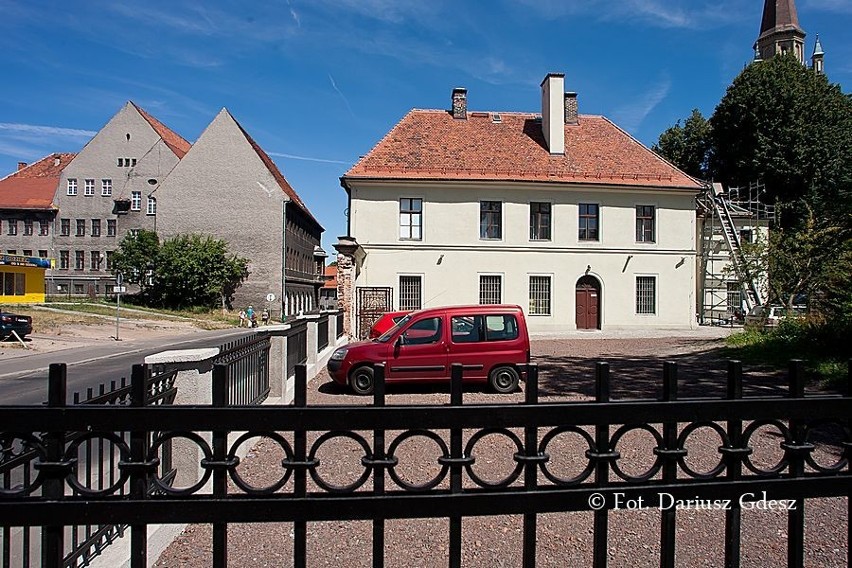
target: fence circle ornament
<point>445,454</point>
<point>198,441</point>
<point>658,459</point>
<point>681,443</point>
<point>312,457</point>
<point>269,489</point>
<point>469,451</point>
<point>123,457</point>
<point>837,466</point>
<point>9,451</point>
<point>749,432</point>
<point>592,448</point>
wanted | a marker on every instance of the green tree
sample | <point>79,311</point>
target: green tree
<point>786,125</point>
<point>136,258</point>
<point>196,270</point>
<point>689,146</point>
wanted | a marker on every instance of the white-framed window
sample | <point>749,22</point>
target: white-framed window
<point>136,201</point>
<point>152,206</point>
<point>72,186</point>
<point>646,219</point>
<point>539,295</point>
<point>490,219</point>
<point>540,221</point>
<point>89,187</point>
<point>490,289</point>
<point>410,292</point>
<point>106,187</point>
<point>646,294</point>
<point>411,218</point>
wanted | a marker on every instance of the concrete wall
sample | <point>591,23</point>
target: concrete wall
<point>451,256</point>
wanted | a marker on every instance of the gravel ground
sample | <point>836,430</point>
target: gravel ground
<point>564,539</point>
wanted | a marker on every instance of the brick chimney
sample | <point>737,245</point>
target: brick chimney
<point>552,112</point>
<point>460,103</point>
<point>571,116</point>
<point>21,165</point>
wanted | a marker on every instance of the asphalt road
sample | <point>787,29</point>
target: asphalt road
<point>23,380</point>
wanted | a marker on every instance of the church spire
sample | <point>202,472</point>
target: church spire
<point>818,57</point>
<point>780,31</point>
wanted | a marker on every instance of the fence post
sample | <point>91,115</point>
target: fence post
<point>795,451</point>
<point>139,473</point>
<point>669,455</point>
<point>531,464</point>
<point>312,340</point>
<point>378,467</point>
<point>601,457</point>
<point>300,482</point>
<point>53,537</point>
<point>456,464</point>
<point>220,393</point>
<point>733,456</point>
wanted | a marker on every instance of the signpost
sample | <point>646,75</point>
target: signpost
<point>118,289</point>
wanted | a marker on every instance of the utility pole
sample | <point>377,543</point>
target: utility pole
<point>119,280</point>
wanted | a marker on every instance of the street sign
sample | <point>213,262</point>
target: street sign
<point>270,297</point>
<point>119,279</point>
<point>119,289</point>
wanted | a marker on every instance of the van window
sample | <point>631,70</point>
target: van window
<point>424,331</point>
<point>469,329</point>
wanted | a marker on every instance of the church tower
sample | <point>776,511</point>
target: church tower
<point>780,31</point>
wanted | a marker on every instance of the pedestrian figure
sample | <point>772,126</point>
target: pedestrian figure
<point>264,317</point>
<point>243,318</point>
<point>251,317</point>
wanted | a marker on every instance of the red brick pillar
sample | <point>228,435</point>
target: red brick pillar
<point>347,266</point>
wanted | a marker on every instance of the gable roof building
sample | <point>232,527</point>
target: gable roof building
<point>227,186</point>
<point>560,212</point>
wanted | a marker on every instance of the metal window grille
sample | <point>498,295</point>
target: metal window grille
<point>589,220</point>
<point>490,220</point>
<point>734,296</point>
<point>490,289</point>
<point>539,221</point>
<point>540,295</point>
<point>645,223</point>
<point>646,293</point>
<point>410,218</point>
<point>410,288</point>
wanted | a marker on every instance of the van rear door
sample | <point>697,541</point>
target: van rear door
<point>420,350</point>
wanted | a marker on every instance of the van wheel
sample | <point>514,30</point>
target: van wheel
<point>361,380</point>
<point>504,380</point>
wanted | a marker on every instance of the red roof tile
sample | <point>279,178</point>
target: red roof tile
<point>330,277</point>
<point>34,186</point>
<point>173,140</point>
<point>431,144</point>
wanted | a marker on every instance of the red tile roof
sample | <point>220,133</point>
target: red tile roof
<point>34,186</point>
<point>432,145</point>
<point>276,173</point>
<point>173,140</point>
<point>330,277</point>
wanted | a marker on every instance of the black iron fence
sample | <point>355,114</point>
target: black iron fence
<point>95,467</point>
<point>297,345</point>
<point>378,492</point>
<point>247,362</point>
<point>322,332</point>
<point>339,317</point>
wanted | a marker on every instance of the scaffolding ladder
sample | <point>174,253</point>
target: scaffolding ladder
<point>751,292</point>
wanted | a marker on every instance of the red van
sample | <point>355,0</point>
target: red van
<point>491,341</point>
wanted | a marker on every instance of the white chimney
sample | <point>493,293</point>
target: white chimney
<point>553,112</point>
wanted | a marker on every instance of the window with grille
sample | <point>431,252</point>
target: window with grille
<point>64,260</point>
<point>646,294</point>
<point>152,206</point>
<point>645,224</point>
<point>539,221</point>
<point>79,260</point>
<point>136,201</point>
<point>540,295</point>
<point>734,296</point>
<point>110,227</point>
<point>490,289</point>
<point>410,292</point>
<point>65,227</point>
<point>589,222</point>
<point>106,187</point>
<point>72,187</point>
<point>81,227</point>
<point>490,220</point>
<point>411,218</point>
<point>89,187</point>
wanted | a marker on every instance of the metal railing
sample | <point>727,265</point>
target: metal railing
<point>322,333</point>
<point>297,345</point>
<point>247,362</point>
<point>533,485</point>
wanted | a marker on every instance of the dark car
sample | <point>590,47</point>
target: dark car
<point>22,325</point>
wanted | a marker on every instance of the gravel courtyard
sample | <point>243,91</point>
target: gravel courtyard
<point>564,539</point>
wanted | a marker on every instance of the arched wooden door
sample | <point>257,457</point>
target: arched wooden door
<point>588,303</point>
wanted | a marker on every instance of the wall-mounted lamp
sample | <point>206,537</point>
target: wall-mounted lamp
<point>588,268</point>
<point>626,262</point>
<point>680,262</point>
<point>440,259</point>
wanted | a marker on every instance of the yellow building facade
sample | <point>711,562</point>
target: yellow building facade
<point>22,279</point>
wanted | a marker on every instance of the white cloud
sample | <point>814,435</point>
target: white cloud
<point>56,131</point>
<point>631,115</point>
<point>308,158</point>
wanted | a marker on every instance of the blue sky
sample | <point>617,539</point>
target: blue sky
<point>317,83</point>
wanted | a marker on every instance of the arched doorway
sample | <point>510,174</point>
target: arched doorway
<point>588,303</point>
